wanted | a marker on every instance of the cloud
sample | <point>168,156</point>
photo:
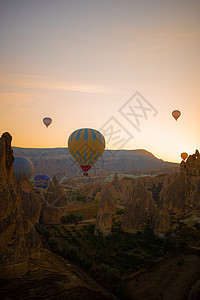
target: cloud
<point>165,41</point>
<point>38,82</point>
<point>25,110</point>
<point>10,98</point>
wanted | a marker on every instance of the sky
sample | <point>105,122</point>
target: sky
<point>118,66</point>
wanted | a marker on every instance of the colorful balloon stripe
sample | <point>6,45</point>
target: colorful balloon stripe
<point>86,146</point>
<point>41,181</point>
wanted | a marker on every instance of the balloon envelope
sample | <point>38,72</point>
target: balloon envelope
<point>47,121</point>
<point>86,145</point>
<point>176,114</point>
<point>23,166</point>
<point>41,181</point>
<point>184,155</point>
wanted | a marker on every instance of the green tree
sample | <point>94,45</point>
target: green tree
<point>69,251</point>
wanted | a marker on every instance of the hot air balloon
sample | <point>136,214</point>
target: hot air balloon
<point>184,155</point>
<point>86,145</point>
<point>47,121</point>
<point>22,166</point>
<point>41,181</point>
<point>176,114</point>
<point>31,180</point>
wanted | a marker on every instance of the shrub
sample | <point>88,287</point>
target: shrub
<point>69,251</point>
<point>72,218</point>
<point>81,198</point>
<point>46,234</point>
<point>180,262</point>
<point>90,228</point>
<point>86,264</point>
<point>120,212</point>
<point>53,243</point>
<point>148,234</point>
<point>113,274</point>
<point>38,228</point>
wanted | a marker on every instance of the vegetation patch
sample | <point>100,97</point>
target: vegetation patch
<point>107,259</point>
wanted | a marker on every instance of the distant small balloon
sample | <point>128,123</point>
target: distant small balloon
<point>47,121</point>
<point>176,114</point>
<point>184,155</point>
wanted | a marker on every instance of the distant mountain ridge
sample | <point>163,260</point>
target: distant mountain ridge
<point>59,162</point>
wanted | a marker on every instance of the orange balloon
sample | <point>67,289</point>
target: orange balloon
<point>184,155</point>
<point>176,114</point>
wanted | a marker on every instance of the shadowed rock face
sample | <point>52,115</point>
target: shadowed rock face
<point>54,205</point>
<point>169,198</point>
<point>139,210</point>
<point>55,194</point>
<point>31,202</point>
<point>159,201</point>
<point>106,210</point>
<point>18,238</point>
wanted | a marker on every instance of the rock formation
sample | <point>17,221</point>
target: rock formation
<point>181,195</point>
<point>18,238</point>
<point>139,210</point>
<point>55,194</point>
<point>105,213</point>
<point>173,196</point>
<point>91,190</point>
<point>54,204</point>
<point>115,183</point>
<point>31,202</point>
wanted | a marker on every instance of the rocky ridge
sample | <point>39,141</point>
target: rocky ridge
<point>59,162</point>
<point>159,201</point>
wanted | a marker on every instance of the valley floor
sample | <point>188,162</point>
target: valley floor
<point>172,279</point>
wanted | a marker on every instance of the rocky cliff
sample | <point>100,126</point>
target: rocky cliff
<point>18,239</point>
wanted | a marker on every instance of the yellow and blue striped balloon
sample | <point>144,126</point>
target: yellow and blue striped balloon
<point>86,145</point>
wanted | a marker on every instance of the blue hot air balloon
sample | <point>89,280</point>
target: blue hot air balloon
<point>41,181</point>
<point>23,166</point>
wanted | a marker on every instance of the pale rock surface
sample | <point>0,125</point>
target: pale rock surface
<point>105,213</point>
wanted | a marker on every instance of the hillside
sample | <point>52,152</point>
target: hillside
<point>58,161</point>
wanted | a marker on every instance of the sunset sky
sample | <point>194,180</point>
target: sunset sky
<point>118,66</point>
